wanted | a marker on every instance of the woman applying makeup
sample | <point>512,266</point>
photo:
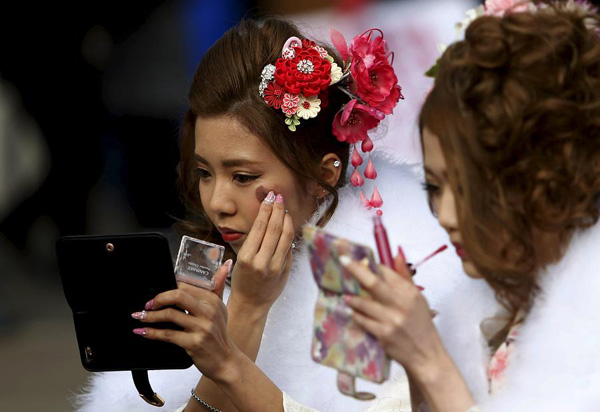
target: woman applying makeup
<point>511,143</point>
<point>252,175</point>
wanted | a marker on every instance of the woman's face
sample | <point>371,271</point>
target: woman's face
<point>236,171</point>
<point>441,196</point>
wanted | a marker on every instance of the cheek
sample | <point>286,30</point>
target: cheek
<point>299,207</point>
<point>205,194</point>
<point>434,205</point>
<point>470,270</point>
<point>261,192</point>
<point>248,206</point>
<point>251,211</point>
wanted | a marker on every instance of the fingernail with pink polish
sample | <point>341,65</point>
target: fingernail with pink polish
<point>421,288</point>
<point>149,304</point>
<point>401,253</point>
<point>139,315</point>
<point>279,199</point>
<point>140,331</point>
<point>270,199</point>
<point>228,263</point>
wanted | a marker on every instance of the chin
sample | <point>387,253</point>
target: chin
<point>470,270</point>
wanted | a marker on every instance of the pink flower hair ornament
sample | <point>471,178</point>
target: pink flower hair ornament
<point>298,82</point>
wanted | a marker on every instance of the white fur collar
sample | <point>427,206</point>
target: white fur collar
<point>286,358</point>
<point>285,350</point>
<point>556,365</point>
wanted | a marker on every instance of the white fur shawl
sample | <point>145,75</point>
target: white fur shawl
<point>556,364</point>
<point>285,350</point>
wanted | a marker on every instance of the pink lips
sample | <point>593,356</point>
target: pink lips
<point>460,251</point>
<point>230,235</point>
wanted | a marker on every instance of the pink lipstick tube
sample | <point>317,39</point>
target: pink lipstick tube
<point>382,242</point>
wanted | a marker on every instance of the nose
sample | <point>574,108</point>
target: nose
<point>222,199</point>
<point>447,210</point>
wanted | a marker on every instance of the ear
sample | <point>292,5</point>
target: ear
<point>330,171</point>
<point>331,168</point>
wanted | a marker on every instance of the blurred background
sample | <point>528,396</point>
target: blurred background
<point>91,96</point>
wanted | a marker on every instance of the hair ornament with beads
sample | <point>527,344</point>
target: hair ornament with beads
<point>297,84</point>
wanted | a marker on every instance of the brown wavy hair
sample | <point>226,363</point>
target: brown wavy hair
<point>226,84</point>
<point>516,107</point>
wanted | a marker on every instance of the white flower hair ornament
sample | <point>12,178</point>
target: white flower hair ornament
<point>298,82</point>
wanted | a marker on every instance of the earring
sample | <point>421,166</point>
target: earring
<point>317,198</point>
<point>337,163</point>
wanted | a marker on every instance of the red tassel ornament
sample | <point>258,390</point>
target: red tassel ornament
<point>356,179</point>
<point>370,172</point>
<point>367,145</point>
<point>363,199</point>
<point>356,159</point>
<point>376,200</point>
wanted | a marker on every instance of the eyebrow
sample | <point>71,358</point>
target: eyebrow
<point>431,172</point>
<point>229,162</point>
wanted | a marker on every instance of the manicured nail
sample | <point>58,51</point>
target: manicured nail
<point>140,331</point>
<point>139,315</point>
<point>270,199</point>
<point>228,263</point>
<point>345,260</point>
<point>279,199</point>
<point>434,313</point>
<point>149,304</point>
<point>421,288</point>
<point>401,253</point>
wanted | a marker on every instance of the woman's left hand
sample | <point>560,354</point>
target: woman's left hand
<point>204,336</point>
<point>397,315</point>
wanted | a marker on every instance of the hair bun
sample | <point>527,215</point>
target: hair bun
<point>487,43</point>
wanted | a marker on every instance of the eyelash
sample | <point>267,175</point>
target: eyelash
<point>202,173</point>
<point>240,178</point>
<point>431,189</point>
<point>243,179</point>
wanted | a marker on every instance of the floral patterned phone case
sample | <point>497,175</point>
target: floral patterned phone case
<point>337,341</point>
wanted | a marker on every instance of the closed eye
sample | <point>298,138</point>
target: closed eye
<point>432,192</point>
<point>431,189</point>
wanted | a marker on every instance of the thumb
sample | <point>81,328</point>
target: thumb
<point>221,276</point>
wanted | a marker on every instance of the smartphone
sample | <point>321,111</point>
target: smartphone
<point>105,279</point>
<point>337,341</point>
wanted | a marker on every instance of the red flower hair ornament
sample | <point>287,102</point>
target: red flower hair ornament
<point>298,82</point>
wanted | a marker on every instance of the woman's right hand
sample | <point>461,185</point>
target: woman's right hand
<point>264,260</point>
